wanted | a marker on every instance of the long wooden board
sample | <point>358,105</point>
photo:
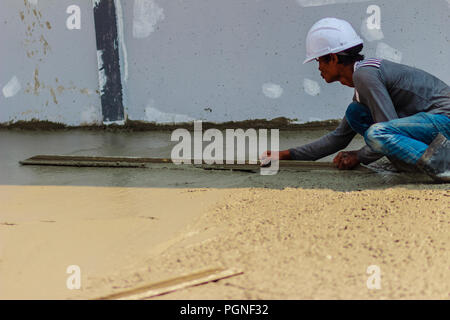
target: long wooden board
<point>171,285</point>
<point>140,162</point>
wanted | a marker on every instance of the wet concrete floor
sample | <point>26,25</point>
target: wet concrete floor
<point>20,145</point>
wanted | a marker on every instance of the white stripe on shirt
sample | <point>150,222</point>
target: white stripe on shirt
<point>367,63</point>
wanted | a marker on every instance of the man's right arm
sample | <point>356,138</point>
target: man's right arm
<point>326,145</point>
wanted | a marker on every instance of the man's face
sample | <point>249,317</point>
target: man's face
<point>329,70</point>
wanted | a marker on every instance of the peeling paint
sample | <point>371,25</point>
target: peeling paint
<point>52,92</point>
<point>85,91</point>
<point>36,82</point>
<point>25,113</point>
<point>32,19</point>
<point>45,44</point>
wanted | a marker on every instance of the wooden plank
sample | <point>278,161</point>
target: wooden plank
<point>172,285</point>
<point>98,159</point>
<point>115,164</point>
<point>289,164</point>
<point>92,161</point>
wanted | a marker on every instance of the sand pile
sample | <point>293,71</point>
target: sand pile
<point>311,244</point>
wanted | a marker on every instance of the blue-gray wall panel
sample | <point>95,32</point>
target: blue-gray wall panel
<point>209,59</point>
<point>56,67</point>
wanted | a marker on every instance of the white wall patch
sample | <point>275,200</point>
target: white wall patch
<point>272,90</point>
<point>146,16</point>
<point>311,87</point>
<point>91,115</point>
<point>154,115</point>
<point>384,51</point>
<point>317,3</point>
<point>12,88</point>
<point>33,2</point>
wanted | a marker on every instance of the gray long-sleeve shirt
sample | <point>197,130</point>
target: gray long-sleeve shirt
<point>390,91</point>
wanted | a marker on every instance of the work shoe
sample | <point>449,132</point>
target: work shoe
<point>436,160</point>
<point>401,166</point>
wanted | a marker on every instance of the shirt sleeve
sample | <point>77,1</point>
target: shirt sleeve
<point>374,94</point>
<point>326,145</point>
<point>331,143</point>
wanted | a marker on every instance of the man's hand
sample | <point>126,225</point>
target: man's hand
<point>268,156</point>
<point>346,160</point>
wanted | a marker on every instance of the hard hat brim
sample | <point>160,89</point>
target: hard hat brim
<point>337,50</point>
<point>308,60</point>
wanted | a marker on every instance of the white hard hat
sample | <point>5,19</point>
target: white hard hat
<point>330,35</point>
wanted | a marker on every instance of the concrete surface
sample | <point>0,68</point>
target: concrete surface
<point>20,145</point>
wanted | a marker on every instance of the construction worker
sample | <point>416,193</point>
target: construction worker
<point>402,112</point>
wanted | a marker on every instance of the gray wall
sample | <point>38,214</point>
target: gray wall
<point>216,60</point>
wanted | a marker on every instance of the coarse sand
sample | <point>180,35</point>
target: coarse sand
<point>291,243</point>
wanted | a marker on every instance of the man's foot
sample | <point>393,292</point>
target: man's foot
<point>402,166</point>
<point>436,160</point>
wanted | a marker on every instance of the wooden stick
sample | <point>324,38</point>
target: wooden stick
<point>139,162</point>
<point>176,284</point>
<point>68,163</point>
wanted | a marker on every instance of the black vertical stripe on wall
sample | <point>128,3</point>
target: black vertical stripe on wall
<point>107,42</point>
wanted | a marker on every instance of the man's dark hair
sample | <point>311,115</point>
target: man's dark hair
<point>348,56</point>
